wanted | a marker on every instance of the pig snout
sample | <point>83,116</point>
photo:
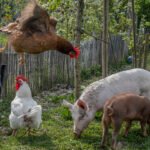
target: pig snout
<point>77,136</point>
<point>77,133</point>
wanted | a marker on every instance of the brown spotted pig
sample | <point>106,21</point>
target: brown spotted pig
<point>124,107</point>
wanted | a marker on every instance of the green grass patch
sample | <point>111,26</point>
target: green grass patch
<point>58,99</point>
<point>4,111</point>
<point>56,133</point>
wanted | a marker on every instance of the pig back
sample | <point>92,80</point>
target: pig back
<point>128,106</point>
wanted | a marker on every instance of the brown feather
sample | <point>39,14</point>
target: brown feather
<point>34,32</point>
<point>34,19</point>
<point>9,28</point>
<point>53,23</point>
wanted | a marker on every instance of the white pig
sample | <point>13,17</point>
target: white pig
<point>94,96</point>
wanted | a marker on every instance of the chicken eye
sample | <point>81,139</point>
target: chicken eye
<point>19,82</point>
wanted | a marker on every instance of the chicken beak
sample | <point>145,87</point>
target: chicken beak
<point>72,54</point>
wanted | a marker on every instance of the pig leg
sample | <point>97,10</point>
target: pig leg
<point>128,126</point>
<point>106,122</point>
<point>143,127</point>
<point>117,126</point>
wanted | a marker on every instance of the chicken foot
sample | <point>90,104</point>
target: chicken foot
<point>29,132</point>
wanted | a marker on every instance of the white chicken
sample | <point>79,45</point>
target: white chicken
<point>25,113</point>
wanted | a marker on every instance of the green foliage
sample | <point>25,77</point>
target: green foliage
<point>143,12</point>
<point>10,10</point>
<point>92,19</point>
<point>65,12</point>
<point>3,39</point>
<point>57,99</point>
<point>121,18</point>
<point>119,21</point>
<point>119,66</point>
<point>92,71</point>
<point>50,5</point>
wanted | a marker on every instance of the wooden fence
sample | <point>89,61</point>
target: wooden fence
<point>50,68</point>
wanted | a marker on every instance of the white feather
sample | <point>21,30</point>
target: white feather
<point>22,105</point>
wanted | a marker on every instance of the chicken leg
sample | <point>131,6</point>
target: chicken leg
<point>14,132</point>
<point>4,48</point>
<point>21,59</point>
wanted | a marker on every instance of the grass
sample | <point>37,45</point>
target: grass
<point>55,132</point>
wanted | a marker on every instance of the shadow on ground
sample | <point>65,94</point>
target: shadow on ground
<point>40,141</point>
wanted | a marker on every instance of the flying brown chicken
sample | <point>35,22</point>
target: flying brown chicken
<point>34,32</point>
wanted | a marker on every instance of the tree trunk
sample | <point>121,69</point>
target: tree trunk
<point>140,48</point>
<point>134,36</point>
<point>140,57</point>
<point>146,47</point>
<point>105,39</point>
<point>77,43</point>
<point>67,60</point>
<point>2,73</point>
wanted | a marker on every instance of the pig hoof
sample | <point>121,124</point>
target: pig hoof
<point>76,136</point>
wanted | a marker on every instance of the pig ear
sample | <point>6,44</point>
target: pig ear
<point>82,104</point>
<point>67,104</point>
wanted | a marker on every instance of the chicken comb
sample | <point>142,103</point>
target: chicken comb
<point>22,77</point>
<point>77,51</point>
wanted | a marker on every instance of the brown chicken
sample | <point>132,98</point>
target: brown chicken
<point>34,32</point>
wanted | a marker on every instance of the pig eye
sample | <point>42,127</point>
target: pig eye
<point>81,116</point>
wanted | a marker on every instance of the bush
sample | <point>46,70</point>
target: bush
<point>90,72</point>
